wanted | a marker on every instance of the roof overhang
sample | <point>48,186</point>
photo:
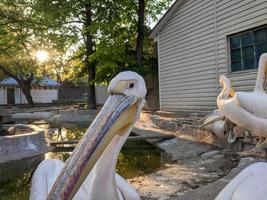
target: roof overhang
<point>165,18</point>
<point>46,82</point>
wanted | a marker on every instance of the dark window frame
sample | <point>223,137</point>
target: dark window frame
<point>241,47</point>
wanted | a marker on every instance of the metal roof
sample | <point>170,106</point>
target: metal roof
<point>44,82</point>
<point>165,18</point>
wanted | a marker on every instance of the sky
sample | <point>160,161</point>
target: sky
<point>153,23</point>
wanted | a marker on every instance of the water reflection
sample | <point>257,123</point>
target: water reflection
<point>136,158</point>
<point>17,189</point>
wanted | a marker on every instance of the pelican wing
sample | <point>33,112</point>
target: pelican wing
<point>238,115</point>
<point>251,183</point>
<point>44,178</point>
<point>253,102</point>
<point>125,189</point>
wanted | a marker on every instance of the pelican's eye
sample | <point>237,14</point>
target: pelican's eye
<point>131,85</point>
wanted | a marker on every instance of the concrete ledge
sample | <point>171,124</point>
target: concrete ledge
<point>188,126</point>
<point>182,113</point>
<point>21,153</point>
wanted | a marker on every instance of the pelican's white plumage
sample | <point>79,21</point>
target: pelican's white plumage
<point>44,178</point>
<point>247,109</point>
<point>249,184</point>
<point>102,181</point>
<point>49,169</point>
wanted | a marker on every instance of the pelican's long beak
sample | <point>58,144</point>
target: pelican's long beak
<point>117,115</point>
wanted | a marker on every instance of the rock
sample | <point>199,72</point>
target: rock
<point>209,154</point>
<point>179,149</point>
<point>163,198</point>
<point>4,117</point>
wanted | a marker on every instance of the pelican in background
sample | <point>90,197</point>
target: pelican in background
<point>89,173</point>
<point>250,183</point>
<point>247,109</point>
<point>217,123</point>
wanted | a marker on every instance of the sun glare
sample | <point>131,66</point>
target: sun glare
<point>41,55</point>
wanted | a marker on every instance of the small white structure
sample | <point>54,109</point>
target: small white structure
<point>46,91</point>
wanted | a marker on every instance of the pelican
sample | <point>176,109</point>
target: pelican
<point>249,184</point>
<point>247,109</point>
<point>216,123</point>
<point>219,124</point>
<point>89,173</point>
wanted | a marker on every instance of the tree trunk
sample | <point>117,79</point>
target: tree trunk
<point>91,100</point>
<point>1,123</point>
<point>25,84</point>
<point>140,31</point>
<point>28,96</point>
<point>26,89</point>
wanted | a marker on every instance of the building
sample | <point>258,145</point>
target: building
<point>199,40</point>
<point>46,91</point>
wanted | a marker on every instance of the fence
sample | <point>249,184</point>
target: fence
<point>70,94</point>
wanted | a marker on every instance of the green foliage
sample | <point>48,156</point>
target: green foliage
<point>115,48</point>
<point>23,31</point>
<point>17,188</point>
<point>114,30</point>
<point>59,27</point>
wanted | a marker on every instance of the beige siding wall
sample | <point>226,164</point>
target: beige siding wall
<point>233,17</point>
<point>187,69</point>
<point>193,51</point>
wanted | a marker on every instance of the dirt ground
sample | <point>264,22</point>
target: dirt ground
<point>178,178</point>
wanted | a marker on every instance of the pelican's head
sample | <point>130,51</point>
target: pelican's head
<point>227,89</point>
<point>128,83</point>
<point>118,115</point>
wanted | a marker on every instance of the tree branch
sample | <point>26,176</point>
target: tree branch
<point>29,54</point>
<point>13,60</point>
<point>8,73</point>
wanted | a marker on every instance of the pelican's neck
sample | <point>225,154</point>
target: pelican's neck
<point>261,77</point>
<point>106,164</point>
<point>226,88</point>
<point>103,174</point>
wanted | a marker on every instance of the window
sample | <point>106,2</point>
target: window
<point>246,48</point>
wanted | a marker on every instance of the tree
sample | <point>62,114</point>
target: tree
<point>15,44</point>
<point>75,17</point>
<point>88,52</point>
<point>123,42</point>
<point>140,31</point>
<point>23,31</point>
<point>110,36</point>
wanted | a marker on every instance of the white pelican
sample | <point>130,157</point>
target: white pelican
<point>247,109</point>
<point>250,183</point>
<point>215,122</point>
<point>89,173</point>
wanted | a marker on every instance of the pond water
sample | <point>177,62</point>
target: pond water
<point>136,158</point>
